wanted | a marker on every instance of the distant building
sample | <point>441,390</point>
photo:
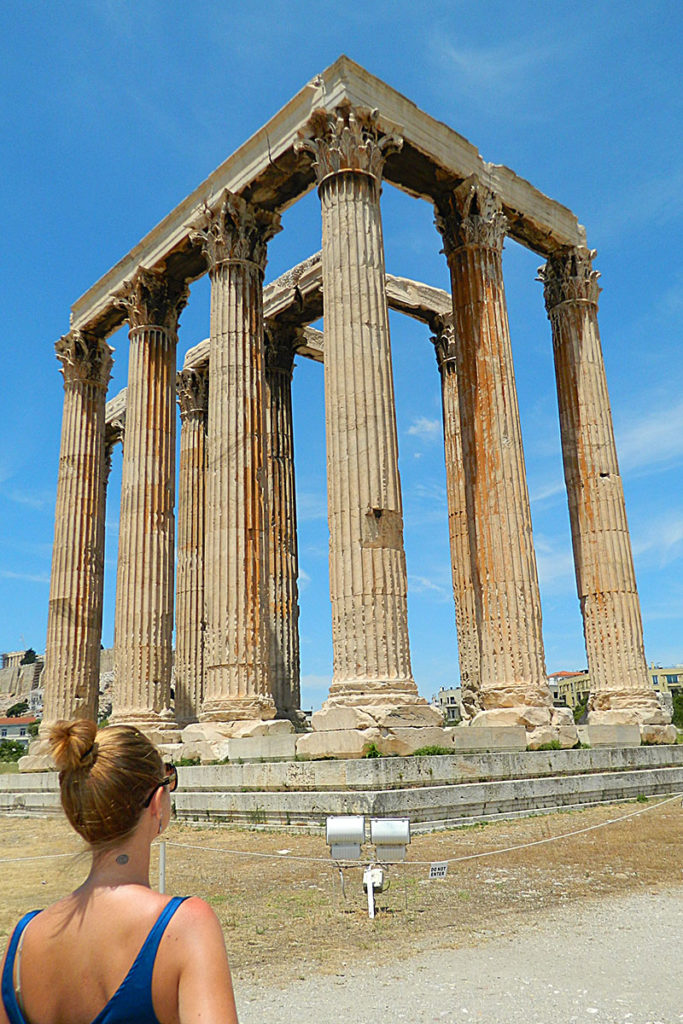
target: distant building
<point>449,701</point>
<point>569,688</point>
<point>16,728</point>
<point>572,688</point>
<point>12,659</point>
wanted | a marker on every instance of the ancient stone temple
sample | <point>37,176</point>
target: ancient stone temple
<point>236,603</point>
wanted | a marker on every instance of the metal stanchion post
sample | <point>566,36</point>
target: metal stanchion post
<point>162,866</point>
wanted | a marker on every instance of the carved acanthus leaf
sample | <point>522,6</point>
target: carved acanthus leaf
<point>151,300</point>
<point>193,392</point>
<point>281,342</point>
<point>347,139</point>
<point>568,276</point>
<point>236,231</point>
<point>471,215</point>
<point>85,358</point>
<point>444,343</point>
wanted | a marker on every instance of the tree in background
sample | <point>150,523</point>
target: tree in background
<point>30,657</point>
<point>18,709</point>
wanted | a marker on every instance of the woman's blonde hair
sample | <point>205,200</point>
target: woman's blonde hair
<point>105,777</point>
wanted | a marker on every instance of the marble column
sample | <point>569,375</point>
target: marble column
<point>504,575</point>
<point>236,655</point>
<point>74,627</point>
<point>621,690</point>
<point>461,569</point>
<point>368,582</point>
<point>192,388</point>
<point>283,556</point>
<point>143,632</point>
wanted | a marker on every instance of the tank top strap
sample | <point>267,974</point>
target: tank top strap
<point>9,997</point>
<point>132,1001</point>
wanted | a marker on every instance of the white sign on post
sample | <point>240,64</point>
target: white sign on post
<point>439,869</point>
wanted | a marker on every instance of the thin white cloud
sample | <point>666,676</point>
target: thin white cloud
<point>33,500</point>
<point>26,577</point>
<point>548,489</point>
<point>427,585</point>
<point>311,506</point>
<point>653,439</point>
<point>653,202</point>
<point>304,579</point>
<point>506,72</point>
<point>661,541</point>
<point>555,565</point>
<point>424,428</point>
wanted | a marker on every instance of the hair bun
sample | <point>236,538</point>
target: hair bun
<point>73,744</point>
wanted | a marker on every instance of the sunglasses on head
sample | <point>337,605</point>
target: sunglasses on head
<point>171,781</point>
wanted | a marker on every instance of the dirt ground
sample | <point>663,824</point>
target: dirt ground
<point>283,917</point>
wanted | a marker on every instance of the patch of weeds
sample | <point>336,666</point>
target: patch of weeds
<point>257,816</point>
<point>373,751</point>
<point>188,762</point>
<point>553,745</point>
<point>431,751</point>
<point>641,798</point>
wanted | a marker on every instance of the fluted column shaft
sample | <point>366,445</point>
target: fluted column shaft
<point>283,556</point>
<point>504,574</point>
<point>461,569</point>
<point>368,585</point>
<point>236,655</point>
<point>192,387</point>
<point>605,577</point>
<point>144,594</point>
<point>74,627</point>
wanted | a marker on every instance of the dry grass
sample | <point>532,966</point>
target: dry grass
<point>286,917</point>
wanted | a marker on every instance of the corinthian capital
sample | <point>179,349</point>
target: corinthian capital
<point>193,392</point>
<point>444,343</point>
<point>281,341</point>
<point>85,358</point>
<point>568,276</point>
<point>151,300</point>
<point>471,215</point>
<point>236,231</point>
<point>347,139</point>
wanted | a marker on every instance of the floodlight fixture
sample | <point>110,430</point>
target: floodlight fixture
<point>345,834</point>
<point>391,836</point>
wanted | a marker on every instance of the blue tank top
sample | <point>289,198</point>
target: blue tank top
<point>132,1001</point>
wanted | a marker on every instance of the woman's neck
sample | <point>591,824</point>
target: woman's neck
<point>125,864</point>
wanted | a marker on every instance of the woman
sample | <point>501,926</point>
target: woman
<point>114,951</point>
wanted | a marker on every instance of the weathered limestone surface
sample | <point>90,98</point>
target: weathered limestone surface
<point>461,567</point>
<point>192,387</point>
<point>504,576</point>
<point>144,590</point>
<point>283,559</point>
<point>367,560</point>
<point>236,654</point>
<point>341,743</point>
<point>621,690</point>
<point>72,651</point>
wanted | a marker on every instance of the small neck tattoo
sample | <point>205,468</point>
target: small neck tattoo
<point>122,858</point>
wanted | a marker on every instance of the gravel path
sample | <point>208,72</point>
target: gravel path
<point>612,961</point>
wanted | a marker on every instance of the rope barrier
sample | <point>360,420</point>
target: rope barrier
<point>418,863</point>
<point>451,860</point>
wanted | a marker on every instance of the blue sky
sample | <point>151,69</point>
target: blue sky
<point>113,111</point>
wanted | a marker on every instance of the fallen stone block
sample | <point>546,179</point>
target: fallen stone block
<point>276,747</point>
<point>658,734</point>
<point>405,741</point>
<point>410,716</point>
<point>473,738</point>
<point>338,716</point>
<point>342,743</point>
<point>626,735</point>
